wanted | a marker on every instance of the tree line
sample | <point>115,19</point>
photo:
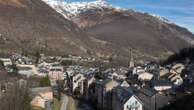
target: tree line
<point>181,56</point>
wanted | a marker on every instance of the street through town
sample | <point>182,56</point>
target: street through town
<point>64,102</point>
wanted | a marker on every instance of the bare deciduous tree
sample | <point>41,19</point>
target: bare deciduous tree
<point>17,97</point>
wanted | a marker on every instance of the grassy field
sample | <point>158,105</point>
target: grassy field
<point>37,108</point>
<point>56,104</point>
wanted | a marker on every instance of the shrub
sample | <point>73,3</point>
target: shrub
<point>2,65</point>
<point>45,82</point>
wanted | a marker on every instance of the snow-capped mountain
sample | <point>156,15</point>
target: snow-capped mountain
<point>125,27</point>
<point>69,10</point>
<point>73,9</point>
<point>94,28</point>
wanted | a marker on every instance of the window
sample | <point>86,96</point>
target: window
<point>134,106</point>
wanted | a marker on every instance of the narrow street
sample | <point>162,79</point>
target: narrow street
<point>64,102</point>
<point>48,105</point>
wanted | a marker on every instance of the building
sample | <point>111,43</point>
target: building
<point>148,98</point>
<point>79,79</point>
<point>43,69</point>
<point>125,99</point>
<point>145,76</point>
<point>88,86</point>
<point>56,72</point>
<point>138,70</point>
<point>177,68</point>
<point>161,85</point>
<point>124,84</point>
<point>27,70</point>
<point>103,89</point>
<point>6,61</point>
<point>42,97</point>
<point>164,72</point>
<point>76,83</point>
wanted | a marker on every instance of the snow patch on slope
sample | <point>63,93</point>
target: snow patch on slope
<point>69,10</point>
<point>162,18</point>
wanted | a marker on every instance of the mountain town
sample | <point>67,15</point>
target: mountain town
<point>63,82</point>
<point>56,55</point>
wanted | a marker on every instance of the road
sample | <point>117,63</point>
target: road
<point>82,106</point>
<point>48,105</point>
<point>64,102</point>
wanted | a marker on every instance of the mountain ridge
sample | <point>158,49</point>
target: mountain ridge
<point>147,34</point>
<point>103,31</point>
<point>73,9</point>
<point>37,26</point>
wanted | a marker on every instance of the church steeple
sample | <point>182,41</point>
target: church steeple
<point>131,59</point>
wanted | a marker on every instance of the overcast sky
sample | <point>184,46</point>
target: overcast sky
<point>179,11</point>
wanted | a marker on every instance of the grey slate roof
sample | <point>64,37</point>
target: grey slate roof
<point>161,83</point>
<point>148,91</point>
<point>123,94</point>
